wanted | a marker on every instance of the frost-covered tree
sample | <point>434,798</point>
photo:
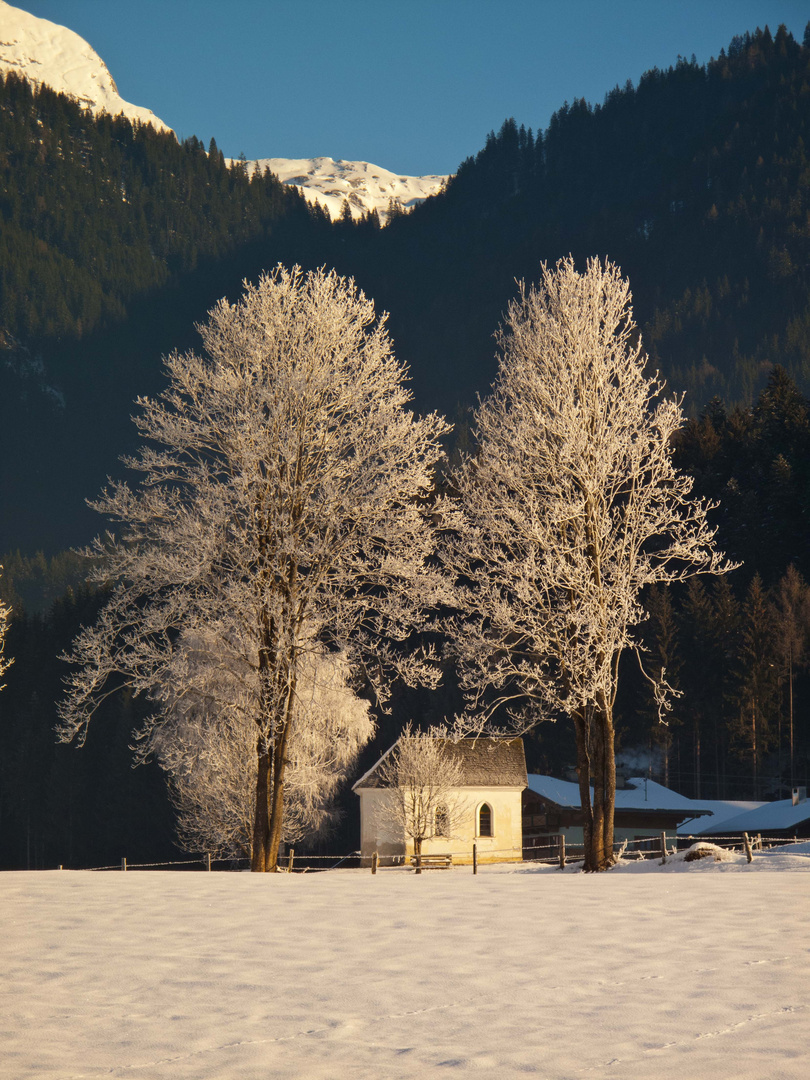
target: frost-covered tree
<point>284,495</point>
<point>204,738</point>
<point>5,615</point>
<point>569,508</point>
<point>422,777</point>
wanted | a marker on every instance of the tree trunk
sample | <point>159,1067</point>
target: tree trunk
<point>261,815</point>
<point>277,799</point>
<point>582,732</point>
<point>417,851</point>
<point>608,786</point>
<point>595,755</point>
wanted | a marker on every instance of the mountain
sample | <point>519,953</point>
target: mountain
<point>51,55</point>
<point>46,53</point>
<point>361,185</point>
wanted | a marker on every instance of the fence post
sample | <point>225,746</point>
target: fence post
<point>663,848</point>
<point>747,842</point>
<point>759,841</point>
<point>290,860</point>
<point>475,858</point>
<point>123,864</point>
<point>562,851</point>
<point>374,862</point>
<point>208,861</point>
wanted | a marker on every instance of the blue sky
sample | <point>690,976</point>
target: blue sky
<point>413,86</point>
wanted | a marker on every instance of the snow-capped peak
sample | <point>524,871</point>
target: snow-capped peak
<point>363,186</point>
<point>44,52</point>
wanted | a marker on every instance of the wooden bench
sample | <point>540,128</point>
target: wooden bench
<point>434,862</point>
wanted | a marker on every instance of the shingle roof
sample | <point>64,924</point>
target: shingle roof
<point>486,762</point>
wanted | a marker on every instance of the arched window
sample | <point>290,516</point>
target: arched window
<point>442,824</point>
<point>485,820</point>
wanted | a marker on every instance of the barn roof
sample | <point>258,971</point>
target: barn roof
<point>639,795</point>
<point>485,762</point>
<point>783,814</point>
<point>722,810</point>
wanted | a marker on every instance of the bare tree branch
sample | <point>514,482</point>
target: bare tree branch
<point>5,615</point>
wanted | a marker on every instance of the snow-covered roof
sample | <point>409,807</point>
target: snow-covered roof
<point>771,815</point>
<point>640,794</point>
<point>706,816</point>
<point>484,762</point>
<point>721,811</point>
<point>646,794</point>
<point>562,792</point>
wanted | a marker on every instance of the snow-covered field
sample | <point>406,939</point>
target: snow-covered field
<point>687,971</point>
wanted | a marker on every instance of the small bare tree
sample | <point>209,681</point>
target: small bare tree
<point>5,615</point>
<point>423,778</point>
<point>568,511</point>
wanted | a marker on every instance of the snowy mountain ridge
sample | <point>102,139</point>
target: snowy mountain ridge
<point>363,186</point>
<point>45,52</point>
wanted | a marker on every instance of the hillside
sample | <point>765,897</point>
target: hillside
<point>696,182</point>
<point>117,238</point>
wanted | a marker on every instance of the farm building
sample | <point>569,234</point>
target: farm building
<point>644,810</point>
<point>783,819</point>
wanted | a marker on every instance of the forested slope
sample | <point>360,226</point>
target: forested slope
<point>114,239</point>
<point>696,182</point>
<point>96,211</point>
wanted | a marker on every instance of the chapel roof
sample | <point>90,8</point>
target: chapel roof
<point>485,762</point>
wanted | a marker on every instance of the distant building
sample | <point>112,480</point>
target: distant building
<point>644,809</point>
<point>494,775</point>
<point>783,819</point>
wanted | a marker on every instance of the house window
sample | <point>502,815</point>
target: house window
<point>485,820</point>
<point>442,825</point>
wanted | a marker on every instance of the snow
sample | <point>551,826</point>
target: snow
<point>695,970</point>
<point>363,185</point>
<point>45,52</point>
<point>646,794</point>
